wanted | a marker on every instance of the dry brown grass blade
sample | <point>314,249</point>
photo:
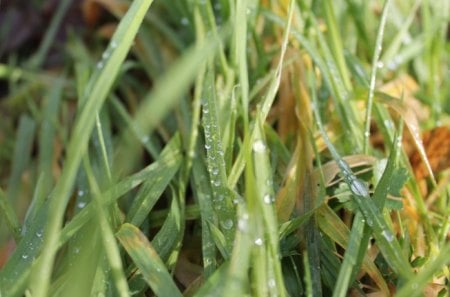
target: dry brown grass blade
<point>437,147</point>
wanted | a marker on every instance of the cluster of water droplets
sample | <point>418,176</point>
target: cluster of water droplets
<point>81,200</point>
<point>106,54</point>
<point>357,186</point>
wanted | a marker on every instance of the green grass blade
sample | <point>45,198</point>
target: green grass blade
<point>148,261</point>
<point>415,285</point>
<point>117,51</point>
<point>215,161</point>
<point>39,57</point>
<point>169,160</point>
<point>107,235</point>
<point>8,214</point>
<point>373,76</point>
<point>22,152</point>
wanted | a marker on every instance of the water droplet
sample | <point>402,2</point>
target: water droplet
<point>367,134</point>
<point>113,44</point>
<point>205,110</point>
<point>207,146</point>
<point>216,183</point>
<point>259,146</point>
<point>394,63</point>
<point>24,256</point>
<point>388,123</point>
<point>99,65</point>
<point>39,233</point>
<point>221,153</point>
<point>388,235</point>
<point>145,139</point>
<point>359,188</point>
<point>380,64</point>
<point>81,204</point>
<point>227,224</point>
<point>80,193</point>
<point>271,283</point>
<point>215,171</point>
<point>220,197</point>
<point>259,241</point>
<point>184,21</point>
<point>267,199</point>
<point>105,55</point>
<point>406,39</point>
<point>243,224</point>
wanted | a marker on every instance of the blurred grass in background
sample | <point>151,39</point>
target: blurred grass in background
<point>225,148</point>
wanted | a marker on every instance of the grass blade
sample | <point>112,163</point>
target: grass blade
<point>101,85</point>
<point>148,261</point>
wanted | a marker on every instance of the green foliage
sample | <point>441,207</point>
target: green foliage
<point>228,148</point>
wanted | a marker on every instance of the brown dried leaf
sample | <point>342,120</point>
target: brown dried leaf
<point>437,147</point>
<point>91,12</point>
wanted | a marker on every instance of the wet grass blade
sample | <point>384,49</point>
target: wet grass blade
<point>100,87</point>
<point>148,261</point>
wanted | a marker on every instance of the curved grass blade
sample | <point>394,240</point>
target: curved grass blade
<point>373,76</point>
<point>148,261</point>
<point>100,87</point>
<point>388,244</point>
<point>415,285</point>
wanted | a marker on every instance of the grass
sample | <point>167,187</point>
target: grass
<point>230,148</point>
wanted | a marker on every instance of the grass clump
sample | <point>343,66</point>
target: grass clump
<point>229,148</point>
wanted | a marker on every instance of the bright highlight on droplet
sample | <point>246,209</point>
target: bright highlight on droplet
<point>259,146</point>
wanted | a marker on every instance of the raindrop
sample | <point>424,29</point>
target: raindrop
<point>184,21</point>
<point>267,199</point>
<point>367,134</point>
<point>145,139</point>
<point>24,256</point>
<point>271,283</point>
<point>216,183</point>
<point>81,204</point>
<point>105,55</point>
<point>113,44</point>
<point>380,64</point>
<point>394,63</point>
<point>39,233</point>
<point>388,235</point>
<point>227,224</point>
<point>259,241</point>
<point>205,110</point>
<point>359,188</point>
<point>99,65</point>
<point>388,123</point>
<point>80,193</point>
<point>215,171</point>
<point>207,146</point>
<point>259,146</point>
<point>243,225</point>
